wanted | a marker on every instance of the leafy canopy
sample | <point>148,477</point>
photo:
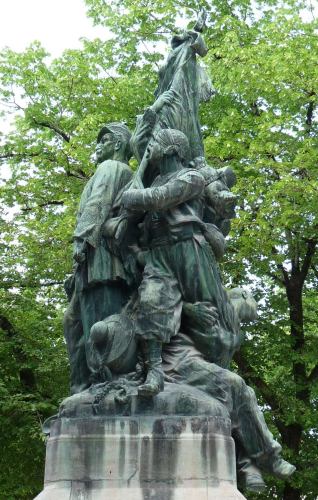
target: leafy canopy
<point>262,121</point>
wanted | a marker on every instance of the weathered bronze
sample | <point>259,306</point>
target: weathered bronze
<point>99,285</point>
<point>148,311</point>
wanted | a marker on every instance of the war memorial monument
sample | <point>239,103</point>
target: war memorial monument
<point>155,413</point>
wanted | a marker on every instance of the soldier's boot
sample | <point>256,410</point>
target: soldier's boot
<point>249,476</point>
<point>252,479</point>
<point>140,373</point>
<point>154,382</point>
<point>276,465</point>
<point>281,468</point>
<point>255,482</point>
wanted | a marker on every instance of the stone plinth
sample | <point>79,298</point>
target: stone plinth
<point>140,458</point>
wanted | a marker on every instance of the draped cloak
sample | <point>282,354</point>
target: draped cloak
<point>96,207</point>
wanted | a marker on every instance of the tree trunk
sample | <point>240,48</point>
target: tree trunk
<point>293,432</point>
<point>291,493</point>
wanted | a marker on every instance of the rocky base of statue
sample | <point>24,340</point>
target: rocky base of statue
<point>120,398</point>
<point>141,448</point>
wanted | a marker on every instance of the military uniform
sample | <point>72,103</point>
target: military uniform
<point>100,281</point>
<point>180,264</point>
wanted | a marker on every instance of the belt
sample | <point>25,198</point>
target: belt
<point>169,236</point>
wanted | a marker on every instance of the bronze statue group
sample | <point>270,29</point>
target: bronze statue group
<point>147,307</point>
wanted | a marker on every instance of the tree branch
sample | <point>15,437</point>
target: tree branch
<point>293,250</point>
<point>250,375</point>
<point>310,113</point>
<point>315,270</point>
<point>53,127</point>
<point>20,156</point>
<point>42,205</point>
<point>26,374</point>
<point>311,249</point>
<point>281,268</point>
<point>7,326</point>
<point>7,285</point>
<point>17,155</point>
<point>276,278</point>
<point>80,174</point>
<point>256,111</point>
<point>313,375</point>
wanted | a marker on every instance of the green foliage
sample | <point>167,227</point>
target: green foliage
<point>262,121</point>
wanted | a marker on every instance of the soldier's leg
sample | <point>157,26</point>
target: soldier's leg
<point>73,332</point>
<point>249,424</point>
<point>208,377</point>
<point>159,306</point>
<point>158,319</point>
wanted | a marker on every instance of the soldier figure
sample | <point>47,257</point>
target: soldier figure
<point>180,263</point>
<point>99,284</point>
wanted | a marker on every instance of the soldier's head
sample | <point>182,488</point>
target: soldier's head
<point>198,162</point>
<point>168,144</point>
<point>113,143</point>
<point>244,304</point>
<point>112,344</point>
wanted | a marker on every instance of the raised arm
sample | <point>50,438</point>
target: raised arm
<point>147,122</point>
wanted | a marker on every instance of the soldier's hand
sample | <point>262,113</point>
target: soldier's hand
<point>121,230</point>
<point>110,227</point>
<point>150,116</point>
<point>203,313</point>
<point>79,254</point>
<point>166,97</point>
<point>79,257</point>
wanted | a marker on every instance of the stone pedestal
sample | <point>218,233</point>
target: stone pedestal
<point>140,458</point>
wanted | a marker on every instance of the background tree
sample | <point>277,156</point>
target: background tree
<point>262,121</point>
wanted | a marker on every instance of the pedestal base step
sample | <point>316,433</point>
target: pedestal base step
<point>140,458</point>
<point>82,491</point>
